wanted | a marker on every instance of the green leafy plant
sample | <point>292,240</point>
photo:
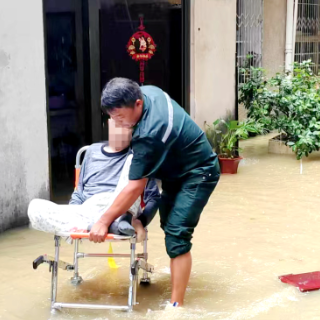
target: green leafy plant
<point>224,135</point>
<point>288,103</point>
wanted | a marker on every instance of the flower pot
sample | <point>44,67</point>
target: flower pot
<point>229,166</point>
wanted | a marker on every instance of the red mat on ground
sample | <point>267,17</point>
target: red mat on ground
<point>304,281</point>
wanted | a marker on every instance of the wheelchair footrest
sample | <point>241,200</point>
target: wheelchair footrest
<point>50,261</point>
<point>36,263</point>
<point>141,264</point>
<point>146,266</point>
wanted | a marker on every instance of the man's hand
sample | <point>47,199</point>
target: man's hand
<point>98,232</point>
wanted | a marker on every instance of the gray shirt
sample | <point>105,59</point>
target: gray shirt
<point>100,172</point>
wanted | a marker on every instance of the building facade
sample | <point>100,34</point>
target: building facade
<point>38,67</point>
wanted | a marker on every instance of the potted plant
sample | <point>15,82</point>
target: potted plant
<point>288,103</point>
<point>224,135</point>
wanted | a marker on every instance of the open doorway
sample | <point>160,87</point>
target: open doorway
<point>86,45</point>
<point>166,22</point>
<point>119,20</point>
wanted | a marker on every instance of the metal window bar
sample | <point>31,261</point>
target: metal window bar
<point>307,42</point>
<point>249,35</point>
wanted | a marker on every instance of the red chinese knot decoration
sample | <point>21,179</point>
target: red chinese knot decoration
<point>141,47</point>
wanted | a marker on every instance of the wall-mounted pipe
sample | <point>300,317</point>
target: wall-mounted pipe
<point>296,5</point>
<point>289,35</point>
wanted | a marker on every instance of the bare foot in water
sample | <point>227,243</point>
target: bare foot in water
<point>138,227</point>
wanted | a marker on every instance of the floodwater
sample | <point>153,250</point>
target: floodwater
<point>259,224</point>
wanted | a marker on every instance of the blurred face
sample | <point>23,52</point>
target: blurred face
<point>127,117</point>
<point>119,138</point>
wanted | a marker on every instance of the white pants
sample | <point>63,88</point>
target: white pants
<point>49,217</point>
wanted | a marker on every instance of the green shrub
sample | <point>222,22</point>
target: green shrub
<point>288,103</point>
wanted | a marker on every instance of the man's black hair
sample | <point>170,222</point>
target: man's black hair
<point>120,93</point>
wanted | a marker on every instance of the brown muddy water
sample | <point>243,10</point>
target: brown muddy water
<point>258,224</point>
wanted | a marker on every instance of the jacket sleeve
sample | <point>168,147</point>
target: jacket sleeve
<point>148,155</point>
<point>151,199</point>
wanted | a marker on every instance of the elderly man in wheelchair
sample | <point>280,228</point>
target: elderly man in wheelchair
<point>103,174</point>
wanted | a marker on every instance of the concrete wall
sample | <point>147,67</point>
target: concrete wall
<point>274,35</point>
<point>24,170</point>
<point>213,47</point>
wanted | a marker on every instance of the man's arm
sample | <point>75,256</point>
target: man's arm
<point>121,204</point>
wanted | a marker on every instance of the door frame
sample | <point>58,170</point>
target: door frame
<point>186,53</point>
<point>95,82</point>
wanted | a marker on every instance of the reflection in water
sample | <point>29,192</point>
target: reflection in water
<point>259,224</point>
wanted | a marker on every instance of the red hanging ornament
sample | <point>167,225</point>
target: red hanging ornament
<point>141,47</point>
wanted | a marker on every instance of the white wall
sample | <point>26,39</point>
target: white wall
<point>274,35</point>
<point>213,47</point>
<point>24,170</point>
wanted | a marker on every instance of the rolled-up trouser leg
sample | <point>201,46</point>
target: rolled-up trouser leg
<point>180,209</point>
<point>114,228</point>
<point>122,226</point>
